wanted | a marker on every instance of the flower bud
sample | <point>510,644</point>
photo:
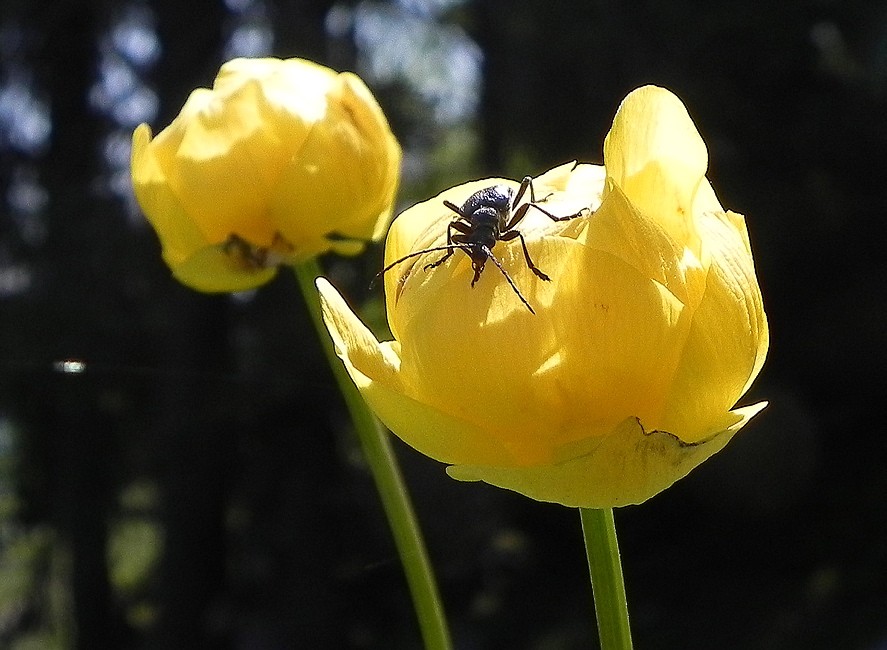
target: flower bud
<point>280,161</point>
<point>626,376</point>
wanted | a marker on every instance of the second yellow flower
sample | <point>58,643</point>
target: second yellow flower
<point>280,161</point>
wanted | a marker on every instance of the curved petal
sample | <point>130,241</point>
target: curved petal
<point>179,235</point>
<point>355,344</point>
<point>729,337</point>
<point>655,154</point>
<point>619,228</point>
<point>381,158</point>
<point>621,336</point>
<point>296,86</point>
<point>626,467</point>
<point>348,167</point>
<point>432,432</point>
<point>555,179</point>
<point>570,189</point>
<point>212,270</point>
<point>374,369</point>
<point>227,163</point>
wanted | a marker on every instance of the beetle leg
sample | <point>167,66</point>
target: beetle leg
<point>519,214</point>
<point>464,228</point>
<point>551,216</point>
<point>524,184</point>
<point>512,234</point>
<point>444,258</point>
<point>453,225</point>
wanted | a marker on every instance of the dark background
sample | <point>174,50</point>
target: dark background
<point>197,486</point>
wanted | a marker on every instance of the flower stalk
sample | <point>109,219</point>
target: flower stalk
<point>605,568</point>
<point>389,482</point>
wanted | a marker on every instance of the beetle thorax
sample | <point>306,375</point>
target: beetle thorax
<point>487,223</point>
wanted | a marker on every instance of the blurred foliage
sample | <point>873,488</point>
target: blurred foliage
<point>195,484</point>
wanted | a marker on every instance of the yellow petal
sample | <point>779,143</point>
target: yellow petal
<point>566,190</point>
<point>618,227</point>
<point>729,338</point>
<point>374,369</point>
<point>345,175</point>
<point>380,156</point>
<point>433,432</point>
<point>354,343</point>
<point>620,335</point>
<point>212,270</point>
<point>295,88</point>
<point>228,161</point>
<point>654,153</point>
<point>555,179</point>
<point>179,235</point>
<point>626,467</point>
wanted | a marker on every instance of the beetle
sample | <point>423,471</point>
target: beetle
<point>488,216</point>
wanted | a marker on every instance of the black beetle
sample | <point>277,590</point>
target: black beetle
<point>488,216</point>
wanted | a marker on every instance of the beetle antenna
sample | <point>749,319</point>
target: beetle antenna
<point>510,281</point>
<point>455,208</point>
<point>448,247</point>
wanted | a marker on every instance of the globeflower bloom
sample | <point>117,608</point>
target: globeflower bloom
<point>626,378</point>
<point>279,161</point>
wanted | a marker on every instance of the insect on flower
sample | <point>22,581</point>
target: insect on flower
<point>488,216</point>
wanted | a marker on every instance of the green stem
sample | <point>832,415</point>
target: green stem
<point>605,567</point>
<point>389,481</point>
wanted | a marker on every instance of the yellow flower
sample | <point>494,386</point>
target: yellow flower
<point>280,161</point>
<point>650,330</point>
